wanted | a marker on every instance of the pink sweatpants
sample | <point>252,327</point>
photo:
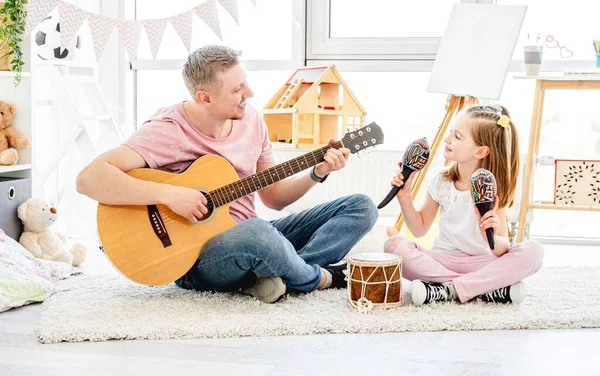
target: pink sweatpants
<point>471,275</point>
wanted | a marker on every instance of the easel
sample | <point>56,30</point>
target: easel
<point>454,104</point>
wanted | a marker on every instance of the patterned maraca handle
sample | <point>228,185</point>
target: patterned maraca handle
<point>415,158</point>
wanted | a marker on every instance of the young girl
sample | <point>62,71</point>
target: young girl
<point>461,265</point>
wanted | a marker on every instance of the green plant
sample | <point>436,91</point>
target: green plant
<point>14,11</point>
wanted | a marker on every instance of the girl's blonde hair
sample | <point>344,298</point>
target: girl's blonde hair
<point>503,142</point>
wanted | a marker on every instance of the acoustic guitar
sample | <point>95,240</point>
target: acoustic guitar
<point>153,245</point>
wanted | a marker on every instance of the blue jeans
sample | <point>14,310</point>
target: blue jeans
<point>293,248</point>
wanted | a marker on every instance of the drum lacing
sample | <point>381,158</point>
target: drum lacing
<point>364,305</point>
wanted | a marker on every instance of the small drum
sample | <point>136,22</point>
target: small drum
<point>374,280</point>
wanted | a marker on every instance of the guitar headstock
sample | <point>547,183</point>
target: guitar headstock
<point>368,136</point>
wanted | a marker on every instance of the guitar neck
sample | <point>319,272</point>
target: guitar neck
<point>231,192</point>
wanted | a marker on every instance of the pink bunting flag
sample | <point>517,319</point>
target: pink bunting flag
<point>183,25</point>
<point>37,10</point>
<point>207,11</point>
<point>155,29</point>
<point>100,27</point>
<point>129,31</point>
<point>231,8</point>
<point>71,18</point>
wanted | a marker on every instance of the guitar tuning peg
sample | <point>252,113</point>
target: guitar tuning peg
<point>348,130</point>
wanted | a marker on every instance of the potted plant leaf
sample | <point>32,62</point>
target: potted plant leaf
<point>12,29</point>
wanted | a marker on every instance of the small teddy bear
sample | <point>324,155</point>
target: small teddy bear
<point>37,238</point>
<point>9,137</point>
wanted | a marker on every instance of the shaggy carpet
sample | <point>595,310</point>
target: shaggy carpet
<point>101,307</point>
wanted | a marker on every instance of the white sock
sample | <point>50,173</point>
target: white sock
<point>328,279</point>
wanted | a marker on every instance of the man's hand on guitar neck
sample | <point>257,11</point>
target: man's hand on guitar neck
<point>335,159</point>
<point>287,191</point>
<point>187,202</point>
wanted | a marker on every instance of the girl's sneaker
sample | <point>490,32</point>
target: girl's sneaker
<point>514,294</point>
<point>428,292</point>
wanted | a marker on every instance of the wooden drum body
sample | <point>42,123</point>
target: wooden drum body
<point>374,280</point>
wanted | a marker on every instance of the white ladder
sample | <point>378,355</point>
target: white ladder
<point>291,90</point>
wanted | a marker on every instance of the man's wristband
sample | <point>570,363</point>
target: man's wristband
<point>315,177</point>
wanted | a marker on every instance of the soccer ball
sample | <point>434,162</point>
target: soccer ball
<point>47,40</point>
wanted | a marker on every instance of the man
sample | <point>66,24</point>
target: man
<point>262,258</point>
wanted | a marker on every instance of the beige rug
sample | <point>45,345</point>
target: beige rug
<point>99,308</point>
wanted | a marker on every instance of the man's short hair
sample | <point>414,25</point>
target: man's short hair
<point>201,67</point>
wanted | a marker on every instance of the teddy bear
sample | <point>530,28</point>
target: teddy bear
<point>9,137</point>
<point>37,238</point>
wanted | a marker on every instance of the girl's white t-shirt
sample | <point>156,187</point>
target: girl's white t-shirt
<point>458,224</point>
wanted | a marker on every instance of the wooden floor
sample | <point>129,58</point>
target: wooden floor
<point>523,352</point>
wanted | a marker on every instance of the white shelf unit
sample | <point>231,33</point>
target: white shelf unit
<point>14,168</point>
<point>20,97</point>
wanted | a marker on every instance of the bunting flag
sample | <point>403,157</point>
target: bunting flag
<point>207,11</point>
<point>37,10</point>
<point>129,31</point>
<point>71,18</point>
<point>183,25</point>
<point>100,28</point>
<point>155,30</point>
<point>231,8</point>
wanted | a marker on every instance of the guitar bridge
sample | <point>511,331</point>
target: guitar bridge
<point>158,225</point>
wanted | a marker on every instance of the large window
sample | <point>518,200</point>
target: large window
<point>264,32</point>
<point>400,31</point>
<point>268,33</point>
<point>404,35</point>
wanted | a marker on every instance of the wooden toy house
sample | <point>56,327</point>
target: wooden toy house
<point>315,104</point>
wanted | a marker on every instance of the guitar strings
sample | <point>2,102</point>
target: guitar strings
<point>228,193</point>
<point>222,197</point>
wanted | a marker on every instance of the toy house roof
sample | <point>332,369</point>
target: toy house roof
<point>315,76</point>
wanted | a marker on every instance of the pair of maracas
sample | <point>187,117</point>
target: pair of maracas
<point>483,183</point>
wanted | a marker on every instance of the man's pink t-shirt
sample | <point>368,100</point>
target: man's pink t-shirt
<point>168,141</point>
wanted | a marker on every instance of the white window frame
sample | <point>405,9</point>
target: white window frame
<point>398,54</point>
<point>386,54</point>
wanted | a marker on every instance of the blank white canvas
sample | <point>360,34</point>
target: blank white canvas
<point>476,50</point>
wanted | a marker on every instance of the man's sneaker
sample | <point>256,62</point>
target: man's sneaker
<point>338,272</point>
<point>509,294</point>
<point>428,292</point>
<point>267,289</point>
